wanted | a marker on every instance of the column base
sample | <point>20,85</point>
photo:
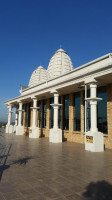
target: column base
<point>19,130</point>
<point>9,129</point>
<point>34,132</point>
<point>55,135</point>
<point>94,141</point>
<point>15,128</point>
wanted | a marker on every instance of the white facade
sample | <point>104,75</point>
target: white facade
<point>59,79</point>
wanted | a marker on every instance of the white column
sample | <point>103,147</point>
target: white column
<point>56,96</point>
<point>10,115</point>
<point>16,118</point>
<point>34,130</point>
<point>93,88</point>
<point>85,108</point>
<point>34,112</point>
<point>16,121</point>
<point>94,140</point>
<point>20,127</point>
<point>93,104</point>
<point>9,127</point>
<point>20,114</point>
<point>55,135</point>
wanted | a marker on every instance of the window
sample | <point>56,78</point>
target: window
<point>66,112</point>
<point>44,113</point>
<point>77,112</point>
<point>102,110</point>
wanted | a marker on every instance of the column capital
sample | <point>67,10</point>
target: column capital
<point>54,91</point>
<point>34,98</point>
<point>55,105</point>
<point>93,85</point>
<point>35,108</point>
<point>93,99</point>
<point>19,101</point>
<point>56,95</point>
<point>91,80</point>
<point>9,106</point>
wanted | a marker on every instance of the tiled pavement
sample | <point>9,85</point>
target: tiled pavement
<point>34,169</point>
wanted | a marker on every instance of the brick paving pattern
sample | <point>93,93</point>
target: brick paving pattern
<point>34,169</point>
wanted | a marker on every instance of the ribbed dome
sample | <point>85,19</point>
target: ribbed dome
<point>59,64</point>
<point>38,76</point>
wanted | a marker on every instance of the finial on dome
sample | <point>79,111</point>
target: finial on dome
<point>60,46</point>
<point>60,50</point>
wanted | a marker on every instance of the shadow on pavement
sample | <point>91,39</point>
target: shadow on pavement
<point>4,166</point>
<point>100,190</point>
<point>4,157</point>
<point>22,161</point>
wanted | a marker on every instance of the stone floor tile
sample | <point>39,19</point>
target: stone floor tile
<point>12,195</point>
<point>75,197</point>
<point>51,195</point>
<point>38,170</point>
<point>2,197</point>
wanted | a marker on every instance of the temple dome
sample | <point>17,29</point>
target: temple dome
<point>39,75</point>
<point>59,64</point>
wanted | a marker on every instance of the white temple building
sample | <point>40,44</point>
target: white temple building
<point>67,103</point>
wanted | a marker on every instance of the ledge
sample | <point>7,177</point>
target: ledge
<point>76,132</point>
<point>105,135</point>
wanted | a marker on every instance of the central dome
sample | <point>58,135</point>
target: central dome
<point>59,64</point>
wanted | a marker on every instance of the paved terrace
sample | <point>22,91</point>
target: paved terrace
<point>34,169</point>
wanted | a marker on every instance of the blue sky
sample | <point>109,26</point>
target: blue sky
<point>32,30</point>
